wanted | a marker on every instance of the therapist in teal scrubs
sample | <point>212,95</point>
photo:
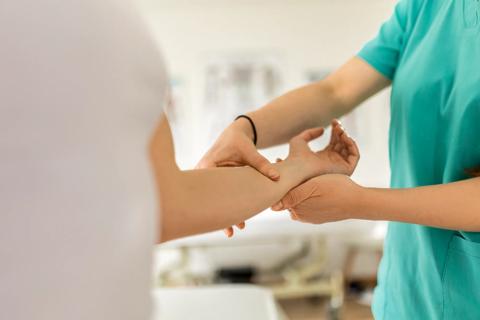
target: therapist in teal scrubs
<point>429,53</point>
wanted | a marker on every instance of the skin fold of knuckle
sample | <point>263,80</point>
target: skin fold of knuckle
<point>291,199</point>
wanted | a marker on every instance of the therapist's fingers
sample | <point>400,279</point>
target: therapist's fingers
<point>261,164</point>
<point>204,164</point>
<point>228,164</point>
<point>296,196</point>
<point>229,232</point>
<point>293,215</point>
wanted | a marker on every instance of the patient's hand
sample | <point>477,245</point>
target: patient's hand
<point>340,156</point>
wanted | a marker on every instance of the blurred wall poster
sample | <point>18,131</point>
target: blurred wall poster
<point>235,84</point>
<point>178,111</point>
<point>352,121</point>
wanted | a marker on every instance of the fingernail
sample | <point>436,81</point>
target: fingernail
<point>274,174</point>
<point>278,206</point>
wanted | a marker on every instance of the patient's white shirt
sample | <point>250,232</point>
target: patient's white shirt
<point>81,88</point>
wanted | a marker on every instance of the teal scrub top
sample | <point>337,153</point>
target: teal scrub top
<point>431,52</point>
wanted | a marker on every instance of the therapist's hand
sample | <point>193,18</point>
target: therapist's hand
<point>308,161</point>
<point>327,198</point>
<point>235,148</point>
<point>340,156</point>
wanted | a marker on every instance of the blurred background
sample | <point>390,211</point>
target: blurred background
<point>226,57</point>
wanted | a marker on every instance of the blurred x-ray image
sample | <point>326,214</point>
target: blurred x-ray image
<point>235,84</point>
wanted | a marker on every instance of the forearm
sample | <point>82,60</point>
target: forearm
<point>310,106</point>
<point>316,104</point>
<point>200,201</point>
<point>453,206</point>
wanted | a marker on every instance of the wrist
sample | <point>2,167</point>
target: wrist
<point>307,169</point>
<point>296,169</point>
<point>244,126</point>
<point>366,201</point>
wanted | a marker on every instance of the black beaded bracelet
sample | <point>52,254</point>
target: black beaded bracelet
<point>254,129</point>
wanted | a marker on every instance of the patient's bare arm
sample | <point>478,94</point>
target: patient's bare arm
<point>340,156</point>
<point>199,201</point>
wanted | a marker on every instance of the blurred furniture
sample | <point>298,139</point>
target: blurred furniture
<point>305,273</point>
<point>310,278</point>
<point>235,302</point>
<point>364,244</point>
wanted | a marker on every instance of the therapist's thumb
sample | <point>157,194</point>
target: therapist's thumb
<point>293,198</point>
<point>261,164</point>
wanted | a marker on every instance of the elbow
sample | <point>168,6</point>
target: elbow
<point>166,229</point>
<point>164,236</point>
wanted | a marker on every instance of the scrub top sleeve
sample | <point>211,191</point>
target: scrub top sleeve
<point>385,50</point>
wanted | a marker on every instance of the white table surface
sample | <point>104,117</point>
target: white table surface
<point>275,225</point>
<point>232,302</point>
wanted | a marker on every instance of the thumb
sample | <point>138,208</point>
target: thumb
<point>260,163</point>
<point>301,141</point>
<point>206,162</point>
<point>295,197</point>
<point>290,200</point>
<point>311,134</point>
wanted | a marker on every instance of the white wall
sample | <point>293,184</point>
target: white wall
<point>307,34</point>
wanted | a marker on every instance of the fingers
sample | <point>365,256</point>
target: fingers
<point>293,215</point>
<point>229,164</point>
<point>250,157</point>
<point>336,131</point>
<point>205,164</point>
<point>350,152</point>
<point>295,196</point>
<point>351,146</point>
<point>311,134</point>
<point>336,137</point>
<point>260,163</point>
<point>343,144</point>
<point>229,232</point>
<point>300,142</point>
<point>287,202</point>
